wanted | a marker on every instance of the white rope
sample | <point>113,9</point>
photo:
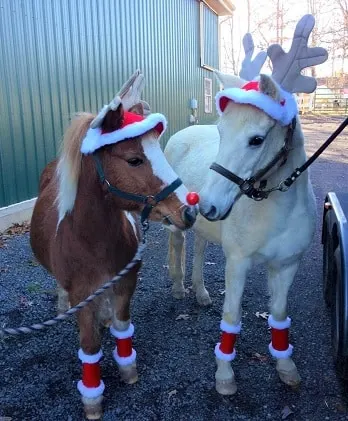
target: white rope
<point>61,317</point>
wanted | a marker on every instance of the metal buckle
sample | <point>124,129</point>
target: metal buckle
<point>283,187</point>
<point>260,195</point>
<point>150,201</point>
<point>246,186</point>
<point>145,226</point>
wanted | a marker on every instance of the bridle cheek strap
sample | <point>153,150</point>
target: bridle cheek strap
<point>149,201</point>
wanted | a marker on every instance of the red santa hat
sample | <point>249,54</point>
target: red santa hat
<point>133,125</point>
<point>282,111</point>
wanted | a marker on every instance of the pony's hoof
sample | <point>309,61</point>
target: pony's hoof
<point>291,378</point>
<point>93,408</point>
<point>288,373</point>
<point>203,298</point>
<point>179,294</point>
<point>226,387</point>
<point>129,373</point>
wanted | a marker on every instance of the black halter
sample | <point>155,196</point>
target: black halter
<point>247,186</point>
<point>149,201</point>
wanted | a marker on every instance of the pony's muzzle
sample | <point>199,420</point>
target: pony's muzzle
<point>189,214</point>
<point>212,214</point>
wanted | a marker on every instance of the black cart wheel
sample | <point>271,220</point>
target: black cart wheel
<point>328,257</point>
<point>337,314</point>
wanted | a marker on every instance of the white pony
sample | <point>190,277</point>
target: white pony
<point>255,140</point>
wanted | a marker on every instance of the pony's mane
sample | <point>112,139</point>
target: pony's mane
<point>69,163</point>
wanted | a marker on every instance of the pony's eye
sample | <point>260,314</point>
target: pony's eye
<point>135,162</point>
<point>256,141</point>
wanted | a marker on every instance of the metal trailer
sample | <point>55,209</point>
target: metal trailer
<point>335,275</point>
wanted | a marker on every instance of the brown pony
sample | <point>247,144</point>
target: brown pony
<point>83,232</point>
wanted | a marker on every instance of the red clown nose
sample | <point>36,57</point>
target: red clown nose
<point>192,198</point>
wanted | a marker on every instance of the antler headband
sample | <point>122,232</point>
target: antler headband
<point>131,125</point>
<point>287,66</point>
<point>279,103</point>
<point>129,95</point>
<point>251,68</point>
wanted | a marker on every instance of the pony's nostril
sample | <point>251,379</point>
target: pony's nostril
<point>212,213</point>
<point>189,216</point>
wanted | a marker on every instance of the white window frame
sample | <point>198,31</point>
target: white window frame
<point>208,95</point>
<point>222,8</point>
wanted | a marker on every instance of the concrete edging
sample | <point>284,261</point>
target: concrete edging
<point>16,213</point>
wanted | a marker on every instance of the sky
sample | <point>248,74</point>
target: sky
<point>261,10</point>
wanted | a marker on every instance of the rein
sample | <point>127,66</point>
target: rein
<point>247,186</point>
<point>149,201</point>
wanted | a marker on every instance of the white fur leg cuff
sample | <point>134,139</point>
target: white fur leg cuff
<point>284,324</point>
<point>222,356</point>
<point>280,354</point>
<point>89,359</point>
<point>122,334</point>
<point>125,360</point>
<point>90,392</point>
<point>228,328</point>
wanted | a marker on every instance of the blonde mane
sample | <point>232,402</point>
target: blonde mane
<point>69,163</point>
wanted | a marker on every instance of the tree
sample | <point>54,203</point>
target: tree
<point>231,51</point>
<point>342,31</point>
<point>274,22</point>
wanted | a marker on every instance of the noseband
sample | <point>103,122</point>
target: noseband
<point>247,186</point>
<point>149,201</point>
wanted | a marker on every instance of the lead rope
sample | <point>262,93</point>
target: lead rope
<point>284,185</point>
<point>61,317</point>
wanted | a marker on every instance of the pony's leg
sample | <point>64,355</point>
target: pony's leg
<point>202,294</point>
<point>280,280</point>
<point>235,277</point>
<point>105,313</point>
<point>122,329</point>
<point>63,300</point>
<point>91,387</point>
<point>177,262</point>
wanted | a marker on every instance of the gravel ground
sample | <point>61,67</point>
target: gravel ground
<point>175,357</point>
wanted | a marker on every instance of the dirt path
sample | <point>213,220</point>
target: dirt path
<point>38,373</point>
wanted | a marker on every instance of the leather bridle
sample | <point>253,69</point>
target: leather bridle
<point>149,201</point>
<point>247,186</point>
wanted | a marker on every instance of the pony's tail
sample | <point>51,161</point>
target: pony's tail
<point>69,163</point>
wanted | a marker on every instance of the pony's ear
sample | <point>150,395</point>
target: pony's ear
<point>268,87</point>
<point>146,108</point>
<point>112,120</point>
<point>229,81</point>
<point>137,109</point>
<point>141,108</point>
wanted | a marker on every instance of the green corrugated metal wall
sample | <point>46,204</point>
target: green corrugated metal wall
<point>62,56</point>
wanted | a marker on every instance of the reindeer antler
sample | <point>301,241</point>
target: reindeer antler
<point>251,68</point>
<point>287,66</point>
<point>128,95</point>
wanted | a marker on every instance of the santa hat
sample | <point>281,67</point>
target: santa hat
<point>283,110</point>
<point>133,125</point>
